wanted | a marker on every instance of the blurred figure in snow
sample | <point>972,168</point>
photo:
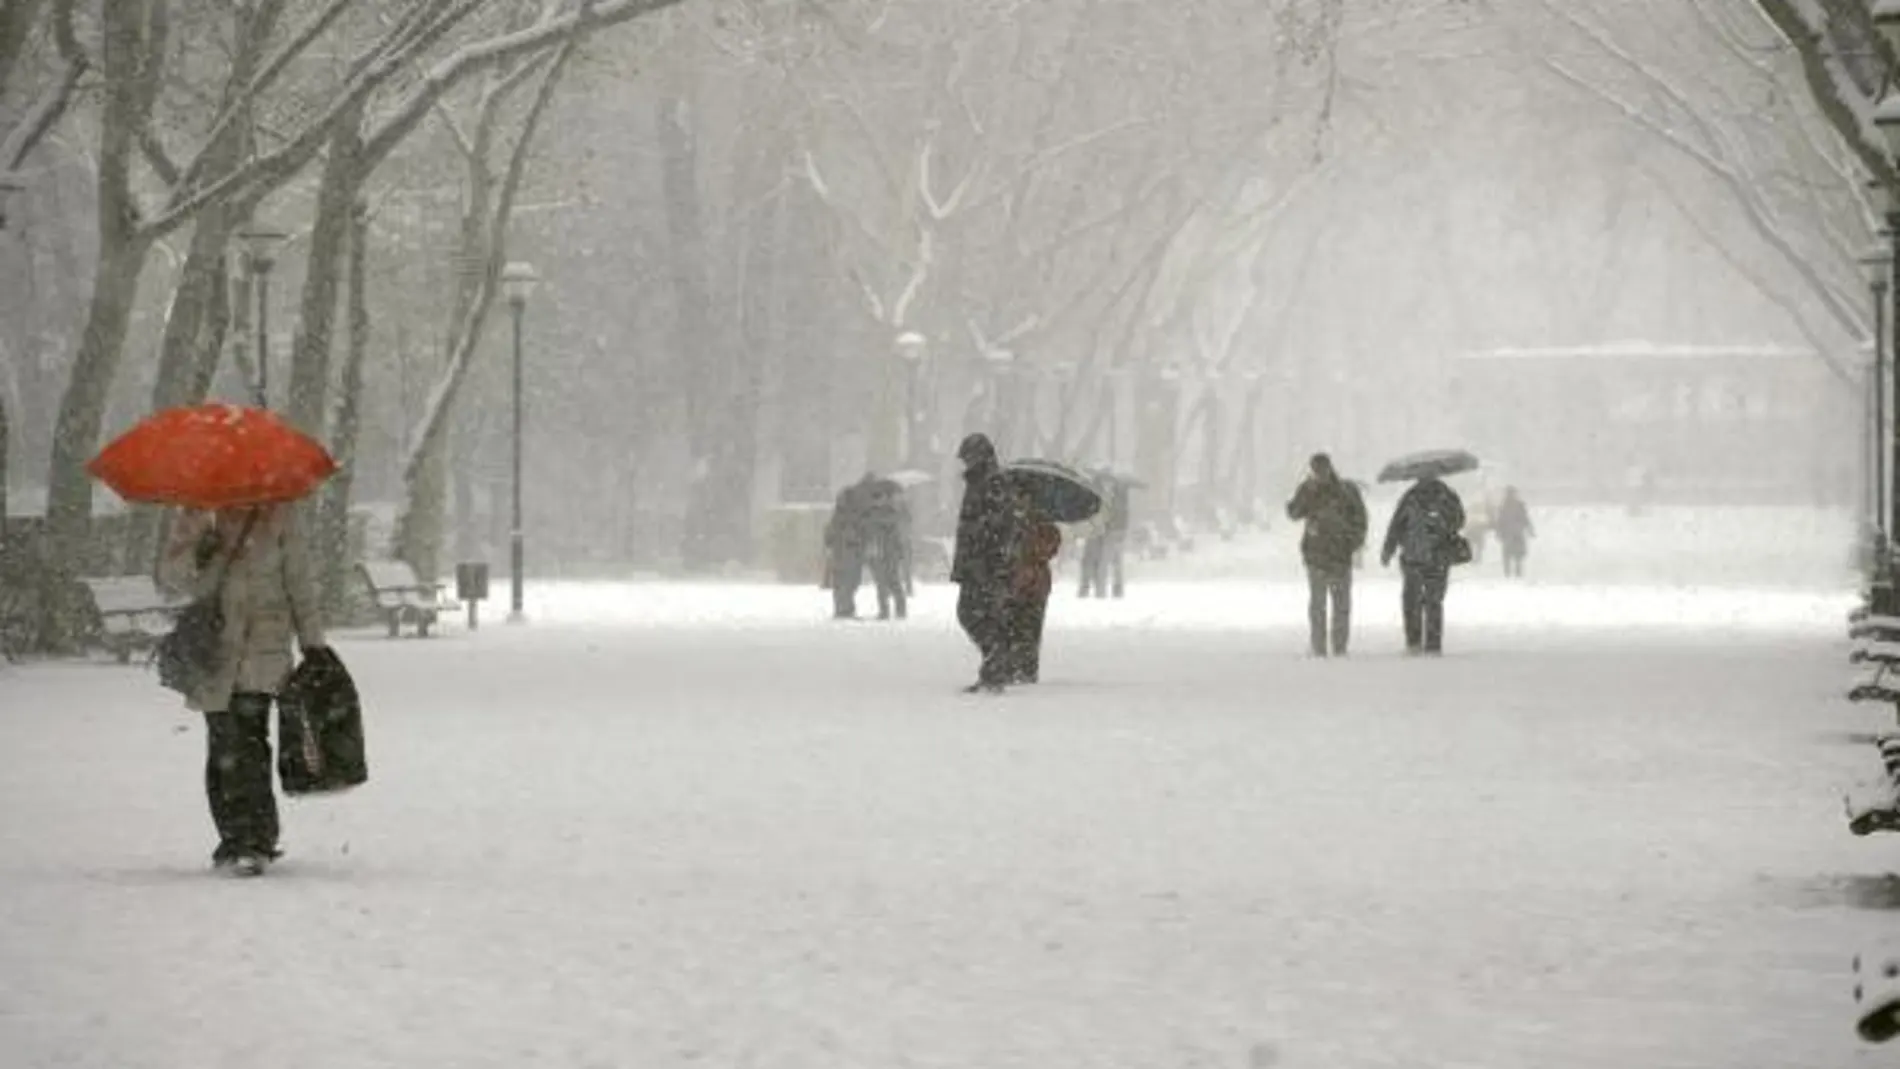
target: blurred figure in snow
<point>887,546</point>
<point>845,538</point>
<point>1514,532</point>
<point>1104,548</point>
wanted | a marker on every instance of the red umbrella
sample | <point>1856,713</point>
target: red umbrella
<point>212,456</point>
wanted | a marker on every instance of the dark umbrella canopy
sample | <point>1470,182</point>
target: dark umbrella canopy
<point>1059,492</point>
<point>1430,462</point>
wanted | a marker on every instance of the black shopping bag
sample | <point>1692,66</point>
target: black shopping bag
<point>320,728</point>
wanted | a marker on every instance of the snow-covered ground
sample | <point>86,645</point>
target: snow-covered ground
<point>670,825</point>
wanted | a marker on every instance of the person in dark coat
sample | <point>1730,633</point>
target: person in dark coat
<point>1032,579</point>
<point>887,546</point>
<point>984,558</point>
<point>1102,551</point>
<point>1424,533</point>
<point>1514,532</point>
<point>845,543</point>
<point>1335,517</point>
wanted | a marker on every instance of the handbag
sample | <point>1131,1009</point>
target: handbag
<point>320,728</point>
<point>1460,549</point>
<point>192,652</point>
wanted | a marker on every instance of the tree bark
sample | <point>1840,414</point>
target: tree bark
<point>708,533</point>
<point>334,522</point>
<point>329,237</point>
<point>134,41</point>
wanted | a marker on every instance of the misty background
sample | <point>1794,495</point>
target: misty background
<point>1606,245</point>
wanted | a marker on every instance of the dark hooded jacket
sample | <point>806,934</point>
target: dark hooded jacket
<point>1424,526</point>
<point>986,526</point>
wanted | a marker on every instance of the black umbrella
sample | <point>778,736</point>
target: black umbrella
<point>1430,462</point>
<point>1058,491</point>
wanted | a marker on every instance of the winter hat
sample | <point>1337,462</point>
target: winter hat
<point>977,451</point>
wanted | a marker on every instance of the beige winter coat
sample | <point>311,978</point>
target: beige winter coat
<point>268,598</point>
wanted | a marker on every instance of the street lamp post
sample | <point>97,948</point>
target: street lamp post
<point>518,281</point>
<point>910,349</point>
<point>1875,261</point>
<point>260,255</point>
<point>1886,17</point>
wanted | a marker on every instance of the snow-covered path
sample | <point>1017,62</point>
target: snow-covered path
<point>671,826</point>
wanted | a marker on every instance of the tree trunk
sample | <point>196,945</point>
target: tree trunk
<point>329,236</point>
<point>716,501</point>
<point>334,523</point>
<point>419,527</point>
<point>198,284</point>
<point>5,440</point>
<point>133,37</point>
<point>76,435</point>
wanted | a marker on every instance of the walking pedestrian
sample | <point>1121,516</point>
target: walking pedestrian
<point>1424,532</point>
<point>1335,518</point>
<point>1514,532</point>
<point>983,559</point>
<point>253,561</point>
<point>845,538</point>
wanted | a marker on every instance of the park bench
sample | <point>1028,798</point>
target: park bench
<point>1876,651</point>
<point>399,596</point>
<point>133,613</point>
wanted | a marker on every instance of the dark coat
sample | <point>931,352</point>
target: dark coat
<point>1335,518</point>
<point>986,524</point>
<point>1425,525</point>
<point>1514,522</point>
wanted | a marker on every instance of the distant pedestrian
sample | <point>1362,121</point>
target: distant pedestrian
<point>1514,532</point>
<point>1424,533</point>
<point>887,546</point>
<point>845,545</point>
<point>984,558</point>
<point>1335,518</point>
<point>1031,583</point>
<point>1104,549</point>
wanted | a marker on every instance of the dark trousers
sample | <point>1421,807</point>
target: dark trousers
<point>984,617</point>
<point>1026,616</point>
<point>847,574</point>
<point>238,776</point>
<point>887,574</point>
<point>1513,558</point>
<point>1423,602</point>
<point>1322,583</point>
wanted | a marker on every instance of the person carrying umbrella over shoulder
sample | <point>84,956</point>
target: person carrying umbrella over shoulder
<point>1424,531</point>
<point>1335,517</point>
<point>238,552</point>
<point>258,555</point>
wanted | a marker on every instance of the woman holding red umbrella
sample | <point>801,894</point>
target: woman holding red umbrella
<point>259,557</point>
<point>236,548</point>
